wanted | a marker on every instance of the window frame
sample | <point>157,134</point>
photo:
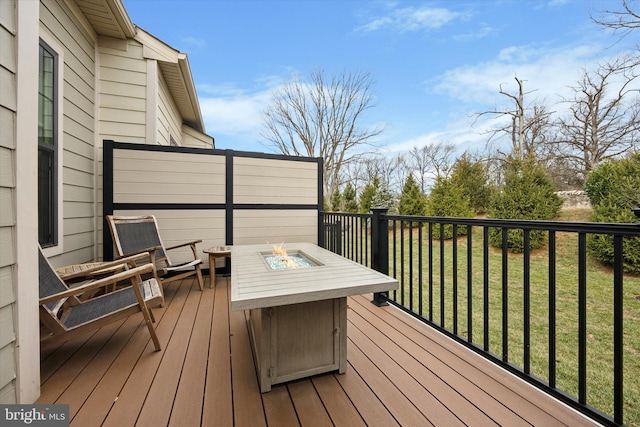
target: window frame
<point>52,47</point>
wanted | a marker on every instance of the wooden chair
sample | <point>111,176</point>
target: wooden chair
<point>137,234</point>
<point>65,316</point>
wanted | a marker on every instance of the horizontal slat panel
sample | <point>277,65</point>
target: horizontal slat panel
<point>275,226</point>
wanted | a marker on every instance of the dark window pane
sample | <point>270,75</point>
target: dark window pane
<point>46,202</point>
<point>47,147</point>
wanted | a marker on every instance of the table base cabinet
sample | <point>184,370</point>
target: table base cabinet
<point>299,340</point>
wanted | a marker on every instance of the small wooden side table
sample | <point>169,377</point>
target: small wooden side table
<point>214,253</point>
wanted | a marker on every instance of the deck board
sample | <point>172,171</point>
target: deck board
<point>309,406</point>
<point>401,372</point>
<point>218,402</point>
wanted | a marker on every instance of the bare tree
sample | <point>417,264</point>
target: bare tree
<point>322,118</point>
<point>624,20</point>
<point>365,169</point>
<point>431,161</point>
<point>604,119</point>
<point>527,127</point>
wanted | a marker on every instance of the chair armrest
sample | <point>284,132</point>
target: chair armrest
<point>144,252</point>
<point>115,278</point>
<point>121,262</point>
<point>192,243</point>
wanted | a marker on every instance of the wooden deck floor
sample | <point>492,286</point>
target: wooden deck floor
<point>400,372</point>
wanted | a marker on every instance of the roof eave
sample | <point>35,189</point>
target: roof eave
<point>170,58</point>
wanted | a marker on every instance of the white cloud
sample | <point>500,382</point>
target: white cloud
<point>411,19</point>
<point>231,111</point>
<point>461,132</point>
<point>547,71</point>
<point>192,41</point>
<point>236,114</point>
<point>485,30</point>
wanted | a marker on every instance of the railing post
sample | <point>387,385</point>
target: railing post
<point>380,249</point>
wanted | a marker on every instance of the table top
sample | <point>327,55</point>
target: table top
<point>218,250</point>
<point>254,285</point>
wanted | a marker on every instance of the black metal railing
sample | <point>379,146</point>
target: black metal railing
<point>528,312</point>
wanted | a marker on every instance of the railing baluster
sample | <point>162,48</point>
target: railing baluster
<point>618,331</point>
<point>469,284</point>
<point>420,282</point>
<point>582,318</point>
<point>454,278</point>
<point>402,281</point>
<point>395,251</point>
<point>442,296</point>
<point>527,302</point>
<point>485,287</point>
<point>552,309</point>
<point>430,271</point>
<point>505,294</point>
<point>410,266</point>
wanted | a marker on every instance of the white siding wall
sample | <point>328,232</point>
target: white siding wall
<point>78,94</point>
<point>169,120</point>
<point>8,68</point>
<point>123,91</point>
<point>122,109</point>
<point>193,138</point>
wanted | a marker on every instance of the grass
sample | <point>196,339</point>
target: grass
<point>599,372</point>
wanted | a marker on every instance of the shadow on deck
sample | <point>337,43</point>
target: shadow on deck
<point>401,372</point>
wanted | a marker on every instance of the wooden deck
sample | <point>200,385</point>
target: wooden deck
<point>401,372</point>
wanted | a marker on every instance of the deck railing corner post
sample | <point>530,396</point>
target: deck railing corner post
<point>380,249</point>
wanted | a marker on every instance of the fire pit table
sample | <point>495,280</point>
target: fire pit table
<point>298,307</point>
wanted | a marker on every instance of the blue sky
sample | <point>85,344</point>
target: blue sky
<point>434,63</point>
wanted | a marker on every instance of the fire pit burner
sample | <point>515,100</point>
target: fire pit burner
<point>281,262</point>
<point>279,259</point>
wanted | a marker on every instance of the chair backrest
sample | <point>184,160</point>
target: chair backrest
<point>132,234</point>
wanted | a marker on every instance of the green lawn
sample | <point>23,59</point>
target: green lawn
<point>599,311</point>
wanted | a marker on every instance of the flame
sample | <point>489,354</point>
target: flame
<point>278,250</point>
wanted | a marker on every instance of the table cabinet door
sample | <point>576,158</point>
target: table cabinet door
<point>299,340</point>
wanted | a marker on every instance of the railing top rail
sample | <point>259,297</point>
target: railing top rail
<point>347,214</point>
<point>621,229</point>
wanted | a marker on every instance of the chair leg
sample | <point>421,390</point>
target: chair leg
<point>147,319</point>
<point>200,280</point>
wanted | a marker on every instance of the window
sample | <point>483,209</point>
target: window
<point>47,146</point>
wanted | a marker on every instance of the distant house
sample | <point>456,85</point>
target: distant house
<point>72,74</point>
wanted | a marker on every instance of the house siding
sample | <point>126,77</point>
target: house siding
<point>169,120</point>
<point>8,69</point>
<point>195,139</point>
<point>78,130</point>
<point>123,91</point>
